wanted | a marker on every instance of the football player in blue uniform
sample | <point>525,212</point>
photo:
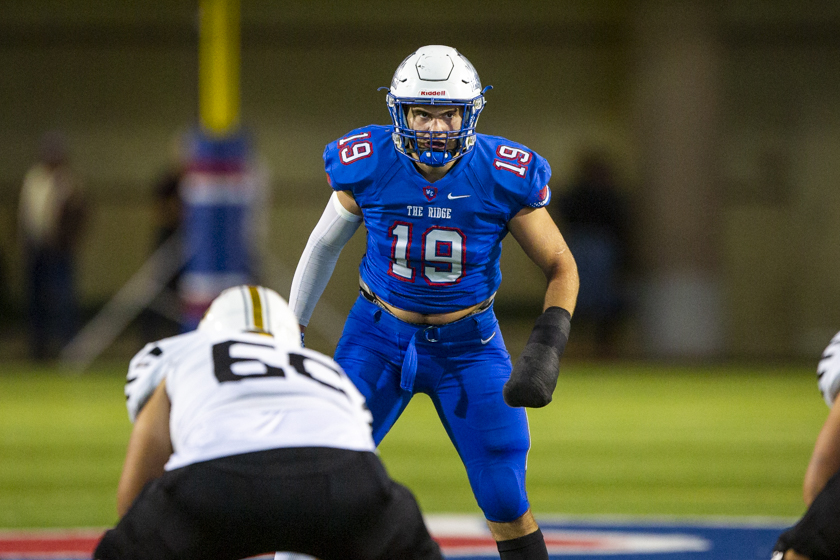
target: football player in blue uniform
<point>436,199</point>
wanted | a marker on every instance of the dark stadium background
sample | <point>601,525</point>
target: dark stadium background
<point>723,120</point>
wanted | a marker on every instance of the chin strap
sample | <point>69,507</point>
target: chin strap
<point>535,373</point>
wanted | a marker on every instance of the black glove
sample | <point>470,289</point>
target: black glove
<point>535,373</point>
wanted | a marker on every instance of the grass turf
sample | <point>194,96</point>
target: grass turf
<point>642,439</point>
<point>618,439</point>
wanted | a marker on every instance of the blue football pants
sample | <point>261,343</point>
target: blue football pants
<point>463,367</point>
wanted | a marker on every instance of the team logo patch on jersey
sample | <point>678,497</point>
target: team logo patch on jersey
<point>541,199</point>
<point>430,192</point>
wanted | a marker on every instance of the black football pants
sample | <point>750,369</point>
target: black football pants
<point>329,503</point>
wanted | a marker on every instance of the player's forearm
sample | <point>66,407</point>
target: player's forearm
<point>563,286</point>
<point>311,277</point>
<point>825,461</point>
<point>148,449</point>
<point>819,471</point>
<point>135,476</point>
<point>316,265</point>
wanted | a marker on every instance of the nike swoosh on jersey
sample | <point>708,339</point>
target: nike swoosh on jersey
<point>450,197</point>
<point>488,339</point>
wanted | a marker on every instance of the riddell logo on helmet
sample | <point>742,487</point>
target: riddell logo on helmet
<point>440,92</point>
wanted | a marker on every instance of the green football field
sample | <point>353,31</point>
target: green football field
<point>619,438</point>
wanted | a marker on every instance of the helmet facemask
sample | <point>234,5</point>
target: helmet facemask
<point>436,148</point>
<point>435,76</point>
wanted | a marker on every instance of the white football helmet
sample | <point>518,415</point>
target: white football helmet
<point>435,75</point>
<point>252,309</point>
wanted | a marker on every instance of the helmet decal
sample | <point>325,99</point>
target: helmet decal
<point>257,309</point>
<point>397,79</point>
<point>252,309</point>
<point>435,68</point>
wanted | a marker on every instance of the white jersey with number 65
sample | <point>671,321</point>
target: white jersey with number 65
<point>235,392</point>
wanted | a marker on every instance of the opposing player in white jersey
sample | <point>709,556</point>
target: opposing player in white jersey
<point>817,535</point>
<point>245,443</point>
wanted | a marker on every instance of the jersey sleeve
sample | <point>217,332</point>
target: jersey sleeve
<point>828,371</point>
<point>538,197</point>
<point>520,175</point>
<point>147,369</point>
<point>538,194</point>
<point>352,161</point>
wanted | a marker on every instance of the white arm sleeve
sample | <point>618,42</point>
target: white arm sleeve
<point>335,228</point>
<point>828,371</point>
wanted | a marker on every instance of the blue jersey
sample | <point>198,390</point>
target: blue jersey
<point>435,247</point>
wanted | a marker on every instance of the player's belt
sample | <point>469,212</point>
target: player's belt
<point>368,294</point>
<point>430,333</point>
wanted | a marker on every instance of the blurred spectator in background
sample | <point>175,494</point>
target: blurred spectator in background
<point>167,197</point>
<point>51,217</point>
<point>162,318</point>
<point>7,309</point>
<point>5,289</point>
<point>594,215</point>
